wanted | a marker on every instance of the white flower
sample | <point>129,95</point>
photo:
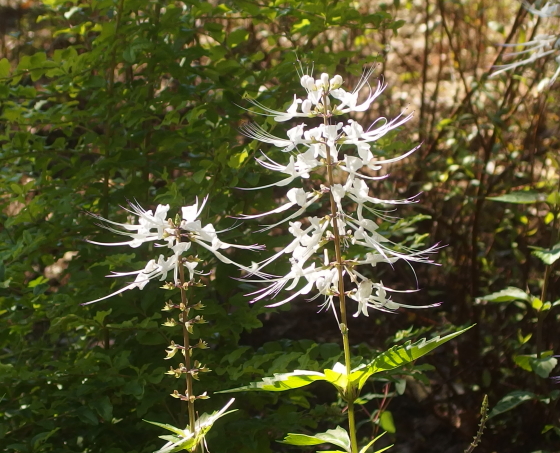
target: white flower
<point>256,132</point>
<point>366,299</point>
<point>152,270</point>
<point>541,46</point>
<point>345,148</point>
<point>349,101</point>
<point>296,197</point>
<point>147,221</point>
<point>178,238</point>
<point>550,9</point>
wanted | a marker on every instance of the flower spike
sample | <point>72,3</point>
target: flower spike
<point>344,149</point>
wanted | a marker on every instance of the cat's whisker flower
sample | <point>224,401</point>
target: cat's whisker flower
<point>344,148</point>
<point>177,234</point>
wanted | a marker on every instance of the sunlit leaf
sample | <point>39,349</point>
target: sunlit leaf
<point>548,256</point>
<point>509,294</point>
<point>282,381</point>
<point>520,197</point>
<point>386,422</point>
<point>398,356</point>
<point>337,436</point>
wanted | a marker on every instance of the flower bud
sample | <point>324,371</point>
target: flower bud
<point>308,83</point>
<point>336,82</point>
<point>325,80</point>
<point>306,106</point>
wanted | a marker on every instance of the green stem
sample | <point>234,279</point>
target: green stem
<point>542,314</point>
<point>350,397</point>
<point>547,271</point>
<point>186,351</point>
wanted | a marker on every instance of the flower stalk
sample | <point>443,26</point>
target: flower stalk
<point>330,145</point>
<point>178,236</point>
<point>341,290</point>
<point>186,350</point>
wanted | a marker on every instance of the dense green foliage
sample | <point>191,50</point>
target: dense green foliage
<point>113,100</point>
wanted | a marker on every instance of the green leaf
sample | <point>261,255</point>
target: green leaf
<point>4,68</point>
<point>16,188</point>
<point>103,407</point>
<point>42,437</point>
<point>337,436</point>
<point>199,176</point>
<point>523,361</point>
<point>236,37</point>
<point>553,199</point>
<point>101,315</point>
<point>187,440</point>
<point>548,256</point>
<point>173,429</point>
<point>387,423</point>
<point>510,401</point>
<point>86,415</point>
<point>237,159</point>
<point>507,295</point>
<point>129,55</point>
<point>536,303</point>
<point>520,197</point>
<point>337,376</point>
<point>398,356</point>
<point>544,366</point>
<point>282,381</point>
<point>301,439</point>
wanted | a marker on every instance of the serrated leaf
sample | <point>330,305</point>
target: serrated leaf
<point>509,294</point>
<point>520,197</point>
<point>282,381</point>
<point>187,440</point>
<point>398,356</point>
<point>171,428</point>
<point>178,445</point>
<point>337,436</point>
<point>510,401</point>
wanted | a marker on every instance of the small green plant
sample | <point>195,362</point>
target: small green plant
<point>534,357</point>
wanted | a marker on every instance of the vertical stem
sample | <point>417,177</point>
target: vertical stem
<point>542,314</point>
<point>547,271</point>
<point>341,296</point>
<point>186,351</point>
